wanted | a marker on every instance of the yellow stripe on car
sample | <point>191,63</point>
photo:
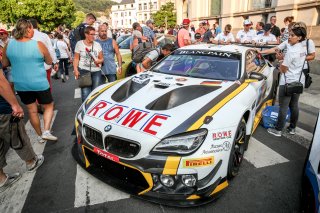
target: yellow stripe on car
<point>258,116</point>
<point>218,106</point>
<point>171,166</point>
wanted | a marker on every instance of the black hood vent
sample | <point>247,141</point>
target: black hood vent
<point>128,89</point>
<point>180,96</point>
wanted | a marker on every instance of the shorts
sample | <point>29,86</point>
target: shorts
<point>29,97</point>
<point>152,55</point>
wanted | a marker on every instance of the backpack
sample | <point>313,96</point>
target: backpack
<point>57,50</point>
<point>76,35</point>
<point>141,50</point>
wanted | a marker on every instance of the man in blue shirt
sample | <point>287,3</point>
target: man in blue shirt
<point>148,32</point>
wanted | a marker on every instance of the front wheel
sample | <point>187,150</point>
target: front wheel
<point>237,150</point>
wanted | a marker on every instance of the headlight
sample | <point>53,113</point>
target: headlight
<point>80,114</point>
<point>183,143</point>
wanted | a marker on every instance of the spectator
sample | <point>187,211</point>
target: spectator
<point>153,56</point>
<point>217,28</point>
<point>9,107</point>
<point>87,59</point>
<point>266,37</point>
<point>110,49</point>
<point>201,30</point>
<point>78,33</point>
<point>285,35</point>
<point>208,34</point>
<point>259,27</point>
<point>30,81</point>
<point>170,30</point>
<point>4,36</point>
<point>246,35</point>
<point>64,56</point>
<point>274,29</point>
<point>44,38</point>
<point>183,34</point>
<point>291,71</point>
<point>226,37</point>
<point>109,33</point>
<point>148,32</point>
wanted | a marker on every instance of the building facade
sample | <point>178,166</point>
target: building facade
<point>123,15</point>
<point>235,11</point>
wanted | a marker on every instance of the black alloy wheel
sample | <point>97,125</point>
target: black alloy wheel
<point>237,150</point>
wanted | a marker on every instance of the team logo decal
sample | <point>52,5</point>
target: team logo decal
<point>221,135</point>
<point>225,146</point>
<point>198,162</point>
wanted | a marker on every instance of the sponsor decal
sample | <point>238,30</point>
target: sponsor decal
<point>225,146</point>
<point>181,79</point>
<point>222,135</point>
<point>204,52</point>
<point>132,118</point>
<point>198,162</point>
<point>106,155</point>
<point>107,128</point>
<point>210,82</point>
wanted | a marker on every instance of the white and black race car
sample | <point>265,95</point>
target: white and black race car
<point>177,133</point>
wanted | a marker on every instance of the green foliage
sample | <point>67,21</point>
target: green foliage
<point>165,13</point>
<point>49,13</point>
<point>80,16</point>
<point>93,6</point>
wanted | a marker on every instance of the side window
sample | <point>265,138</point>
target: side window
<point>254,61</point>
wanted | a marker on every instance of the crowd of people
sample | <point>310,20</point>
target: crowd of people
<point>30,58</point>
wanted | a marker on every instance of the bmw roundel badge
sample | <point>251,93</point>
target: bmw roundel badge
<point>107,128</point>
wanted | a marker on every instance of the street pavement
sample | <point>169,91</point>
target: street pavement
<point>269,179</point>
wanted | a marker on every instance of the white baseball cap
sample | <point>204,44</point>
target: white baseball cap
<point>247,22</point>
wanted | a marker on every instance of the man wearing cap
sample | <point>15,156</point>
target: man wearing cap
<point>4,36</point>
<point>246,35</point>
<point>183,34</point>
<point>148,32</point>
<point>266,37</point>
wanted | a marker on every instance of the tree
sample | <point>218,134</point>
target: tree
<point>165,14</point>
<point>49,13</point>
<point>96,6</point>
<point>79,19</point>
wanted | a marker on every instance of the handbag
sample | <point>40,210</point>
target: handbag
<point>294,87</point>
<point>16,139</point>
<point>85,80</point>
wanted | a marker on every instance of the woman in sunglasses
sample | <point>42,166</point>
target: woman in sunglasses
<point>291,71</point>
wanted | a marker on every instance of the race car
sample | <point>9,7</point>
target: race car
<point>310,196</point>
<point>176,134</point>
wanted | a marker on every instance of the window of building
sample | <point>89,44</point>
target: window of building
<point>140,17</point>
<point>131,5</point>
<point>125,13</point>
<point>145,16</point>
<point>145,7</point>
<point>215,9</point>
<point>140,7</point>
<point>150,5</point>
<point>318,20</point>
<point>121,14</point>
<point>259,4</point>
<point>118,6</point>
<point>129,13</point>
<point>155,5</point>
<point>116,15</point>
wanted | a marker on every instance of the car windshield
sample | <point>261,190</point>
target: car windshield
<point>125,44</point>
<point>201,64</point>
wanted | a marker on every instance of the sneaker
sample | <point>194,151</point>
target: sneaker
<point>67,77</point>
<point>291,131</point>
<point>11,178</point>
<point>274,132</point>
<point>46,135</point>
<point>38,161</point>
<point>41,140</point>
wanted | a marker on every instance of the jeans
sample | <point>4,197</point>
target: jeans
<point>97,80</point>
<point>293,103</point>
<point>111,77</point>
<point>63,66</point>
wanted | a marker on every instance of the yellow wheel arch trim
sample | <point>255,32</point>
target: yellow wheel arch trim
<point>147,176</point>
<point>258,115</point>
<point>102,90</point>
<point>171,166</point>
<point>220,187</point>
<point>218,106</point>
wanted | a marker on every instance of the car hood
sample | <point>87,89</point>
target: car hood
<point>158,104</point>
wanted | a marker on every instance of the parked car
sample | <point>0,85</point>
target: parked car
<point>310,196</point>
<point>128,68</point>
<point>122,38</point>
<point>176,134</point>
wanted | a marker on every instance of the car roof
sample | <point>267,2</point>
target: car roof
<point>223,48</point>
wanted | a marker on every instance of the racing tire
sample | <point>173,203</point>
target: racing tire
<point>237,150</point>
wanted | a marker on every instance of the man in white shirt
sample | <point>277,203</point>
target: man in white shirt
<point>266,37</point>
<point>224,37</point>
<point>246,35</point>
<point>44,38</point>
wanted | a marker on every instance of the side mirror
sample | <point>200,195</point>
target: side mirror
<point>257,76</point>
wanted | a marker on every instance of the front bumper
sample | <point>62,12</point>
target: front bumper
<point>138,180</point>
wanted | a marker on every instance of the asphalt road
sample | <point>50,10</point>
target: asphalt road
<point>268,182</point>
